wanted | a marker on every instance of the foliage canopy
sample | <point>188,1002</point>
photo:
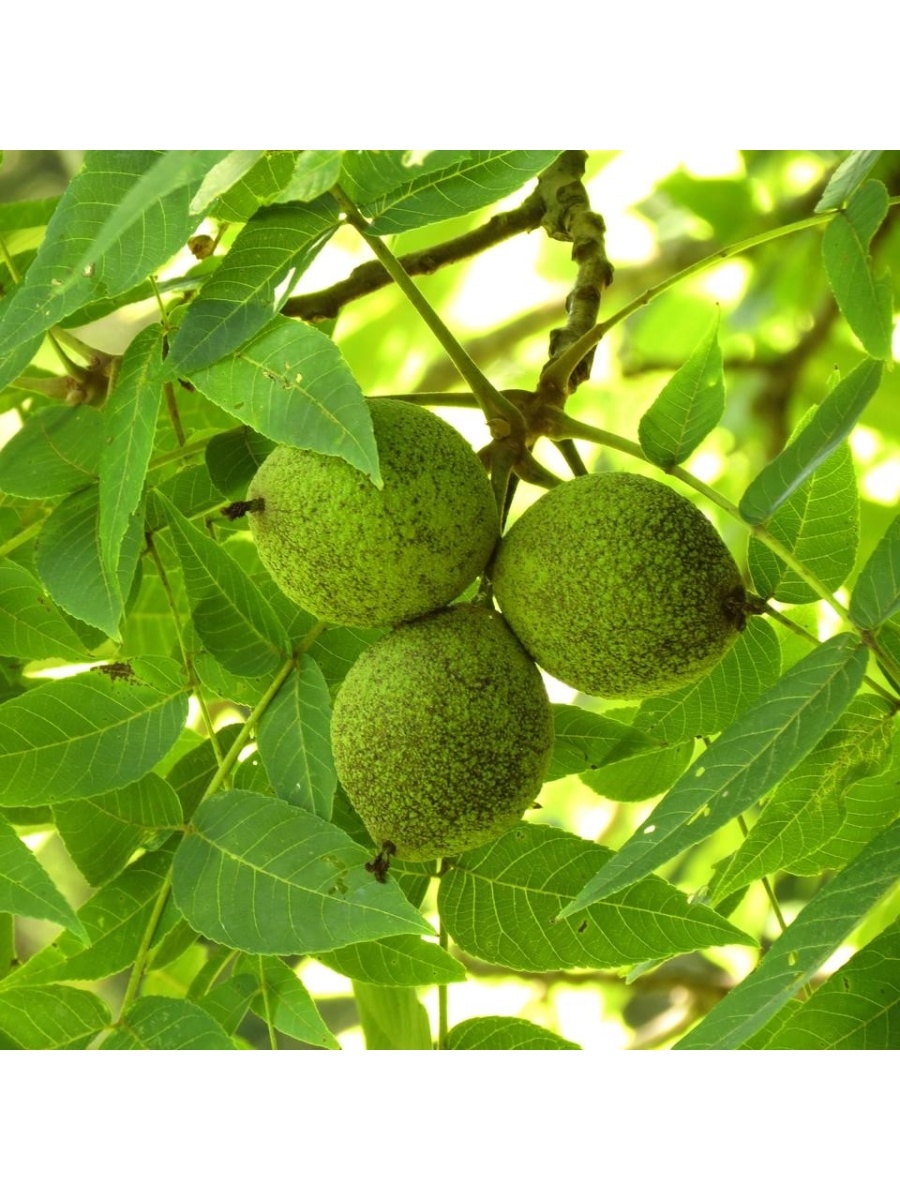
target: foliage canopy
<point>720,863</point>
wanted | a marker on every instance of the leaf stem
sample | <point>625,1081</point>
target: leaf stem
<point>444,942</point>
<point>267,1004</point>
<point>186,656</point>
<point>492,402</point>
<point>137,971</point>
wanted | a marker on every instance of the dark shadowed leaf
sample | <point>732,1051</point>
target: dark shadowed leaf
<point>57,451</point>
<point>294,740</point>
<point>233,619</point>
<point>130,424</point>
<point>262,876</point>
<point>69,560</point>
<point>234,457</point>
<point>30,625</point>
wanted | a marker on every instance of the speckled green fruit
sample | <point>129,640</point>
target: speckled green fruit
<point>619,586</point>
<point>354,554</point>
<point>442,732</point>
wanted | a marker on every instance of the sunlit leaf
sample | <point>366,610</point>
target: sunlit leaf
<point>161,1023</point>
<point>751,665</point>
<point>51,1018</point>
<point>504,1033</point>
<point>847,177</point>
<point>403,961</point>
<point>502,904</point>
<point>222,176</point>
<point>316,171</point>
<point>262,184</point>
<point>25,887</point>
<point>876,597</point>
<point>77,737</point>
<point>794,958</point>
<point>290,1006</point>
<point>864,298</point>
<point>689,406</point>
<point>237,301</point>
<point>392,1018</point>
<point>750,757</point>
<point>858,1008</point>
<point>832,421</point>
<point>585,740</point>
<point>292,385</point>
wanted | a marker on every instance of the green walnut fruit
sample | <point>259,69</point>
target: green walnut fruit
<point>442,732</point>
<point>620,587</point>
<point>354,554</point>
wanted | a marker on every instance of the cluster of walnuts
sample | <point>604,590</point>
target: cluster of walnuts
<point>442,730</point>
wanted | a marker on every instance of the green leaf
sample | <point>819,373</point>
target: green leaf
<point>864,299</point>
<point>847,177</point>
<point>292,385</point>
<point>191,492</point>
<point>689,406</point>
<point>336,650</point>
<point>115,920</point>
<point>502,903</point>
<point>585,740</point>
<point>403,961</point>
<point>51,1018</point>
<point>222,176</point>
<point>392,1018</point>
<point>794,958</point>
<point>25,887</point>
<point>164,188</point>
<point>68,272</point>
<point>239,300</point>
<point>294,739</point>
<point>30,624</point>
<point>265,877</point>
<point>263,183</point>
<point>130,425</point>
<point>27,214</point>
<point>647,773</point>
<point>751,665</point>
<point>292,1009</point>
<point>234,457</point>
<point>69,560</point>
<point>504,1033</point>
<point>744,764</point>
<point>13,362</point>
<point>870,806</point>
<point>233,619</point>
<point>808,807</point>
<point>819,524</point>
<point>77,737</point>
<point>876,597</point>
<point>57,451</point>
<point>316,171</point>
<point>398,193</point>
<point>858,1008</point>
<point>102,832</point>
<point>830,424</point>
<point>161,1023</point>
